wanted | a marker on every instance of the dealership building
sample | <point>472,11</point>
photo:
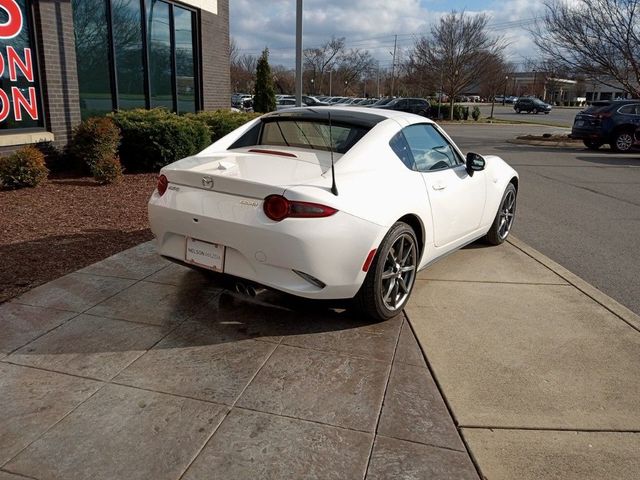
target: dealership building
<point>66,60</point>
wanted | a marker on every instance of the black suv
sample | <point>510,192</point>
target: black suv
<point>529,104</point>
<point>613,122</point>
<point>419,106</point>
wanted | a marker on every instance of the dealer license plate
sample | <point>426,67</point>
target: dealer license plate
<point>205,254</point>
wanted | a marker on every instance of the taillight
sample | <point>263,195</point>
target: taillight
<point>163,183</point>
<point>277,208</point>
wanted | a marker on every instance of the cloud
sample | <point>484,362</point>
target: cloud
<point>369,24</point>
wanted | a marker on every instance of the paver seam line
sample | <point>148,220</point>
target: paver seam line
<point>474,461</point>
<point>614,307</point>
<point>550,429</point>
<point>17,301</point>
<point>206,442</point>
<point>18,474</point>
<point>335,352</point>
<point>42,335</point>
<point>384,394</point>
<point>542,284</point>
<point>51,427</point>
<point>451,449</point>
<point>121,277</point>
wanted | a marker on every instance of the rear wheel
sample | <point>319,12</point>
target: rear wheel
<point>535,110</point>
<point>592,144</point>
<point>622,141</point>
<point>388,284</point>
<point>518,110</point>
<point>503,222</point>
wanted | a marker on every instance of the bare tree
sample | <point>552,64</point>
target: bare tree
<point>355,65</point>
<point>454,51</point>
<point>494,77</point>
<point>596,38</point>
<point>320,60</point>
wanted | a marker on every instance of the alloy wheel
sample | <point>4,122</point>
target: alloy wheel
<point>399,272</point>
<point>624,142</point>
<point>507,214</point>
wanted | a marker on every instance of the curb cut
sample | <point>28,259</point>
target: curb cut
<point>589,290</point>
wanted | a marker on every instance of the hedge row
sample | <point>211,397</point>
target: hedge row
<point>151,139</point>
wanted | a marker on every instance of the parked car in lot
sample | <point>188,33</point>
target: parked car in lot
<point>531,105</point>
<point>419,106</point>
<point>610,122</point>
<point>289,202</point>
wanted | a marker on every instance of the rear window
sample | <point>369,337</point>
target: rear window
<point>311,134</point>
<point>597,108</point>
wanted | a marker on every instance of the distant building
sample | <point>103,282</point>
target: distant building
<point>65,60</point>
<point>596,90</point>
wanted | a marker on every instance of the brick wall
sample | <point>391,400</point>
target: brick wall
<point>57,62</point>
<point>214,32</point>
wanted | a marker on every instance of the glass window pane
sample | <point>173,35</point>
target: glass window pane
<point>429,148</point>
<point>92,44</point>
<point>19,92</point>
<point>159,44</point>
<point>127,37</point>
<point>185,67</point>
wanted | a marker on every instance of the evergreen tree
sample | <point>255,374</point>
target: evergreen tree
<point>265,97</point>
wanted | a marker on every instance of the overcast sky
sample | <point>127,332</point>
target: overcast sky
<point>371,24</point>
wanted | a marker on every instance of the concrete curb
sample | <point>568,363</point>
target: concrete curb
<point>544,143</point>
<point>589,290</point>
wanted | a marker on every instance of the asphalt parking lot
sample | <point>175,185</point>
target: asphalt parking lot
<point>561,116</point>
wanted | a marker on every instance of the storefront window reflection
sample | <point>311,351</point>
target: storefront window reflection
<point>167,51</point>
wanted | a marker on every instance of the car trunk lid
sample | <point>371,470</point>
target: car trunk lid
<point>251,172</point>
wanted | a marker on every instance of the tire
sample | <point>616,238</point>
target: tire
<point>535,111</point>
<point>388,284</point>
<point>518,110</point>
<point>622,141</point>
<point>592,144</point>
<point>500,230</point>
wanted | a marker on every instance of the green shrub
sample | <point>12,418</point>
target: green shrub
<point>222,122</point>
<point>107,170</point>
<point>458,112</point>
<point>475,113</point>
<point>93,140</point>
<point>154,138</point>
<point>24,168</point>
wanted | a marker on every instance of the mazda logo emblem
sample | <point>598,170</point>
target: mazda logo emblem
<point>207,182</point>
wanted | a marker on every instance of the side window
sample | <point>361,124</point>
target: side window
<point>630,109</point>
<point>401,148</point>
<point>430,150</point>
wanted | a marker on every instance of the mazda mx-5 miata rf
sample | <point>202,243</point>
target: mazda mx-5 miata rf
<point>331,203</point>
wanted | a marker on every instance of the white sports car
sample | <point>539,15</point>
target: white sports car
<point>331,203</point>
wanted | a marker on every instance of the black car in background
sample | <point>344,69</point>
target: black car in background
<point>612,122</point>
<point>531,105</point>
<point>419,106</point>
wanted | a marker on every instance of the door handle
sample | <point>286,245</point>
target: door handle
<point>438,186</point>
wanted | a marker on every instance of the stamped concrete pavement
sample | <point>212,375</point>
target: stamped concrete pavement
<point>134,368</point>
<point>541,371</point>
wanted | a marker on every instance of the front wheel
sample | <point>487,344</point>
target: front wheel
<point>535,111</point>
<point>388,284</point>
<point>503,222</point>
<point>518,110</point>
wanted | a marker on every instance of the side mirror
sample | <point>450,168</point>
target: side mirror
<point>475,163</point>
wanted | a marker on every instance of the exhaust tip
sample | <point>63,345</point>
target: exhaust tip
<point>241,288</point>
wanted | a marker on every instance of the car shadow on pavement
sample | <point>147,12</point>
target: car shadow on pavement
<point>629,159</point>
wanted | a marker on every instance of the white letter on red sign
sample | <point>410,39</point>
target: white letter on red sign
<point>19,101</point>
<point>13,60</point>
<point>13,26</point>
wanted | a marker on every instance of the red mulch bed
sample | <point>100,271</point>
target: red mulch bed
<point>66,224</point>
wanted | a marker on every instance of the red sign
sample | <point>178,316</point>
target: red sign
<point>19,66</point>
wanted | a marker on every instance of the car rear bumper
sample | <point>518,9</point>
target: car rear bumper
<point>331,250</point>
<point>587,134</point>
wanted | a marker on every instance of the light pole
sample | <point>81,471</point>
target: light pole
<point>504,95</point>
<point>298,53</point>
<point>313,90</point>
<point>346,84</point>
